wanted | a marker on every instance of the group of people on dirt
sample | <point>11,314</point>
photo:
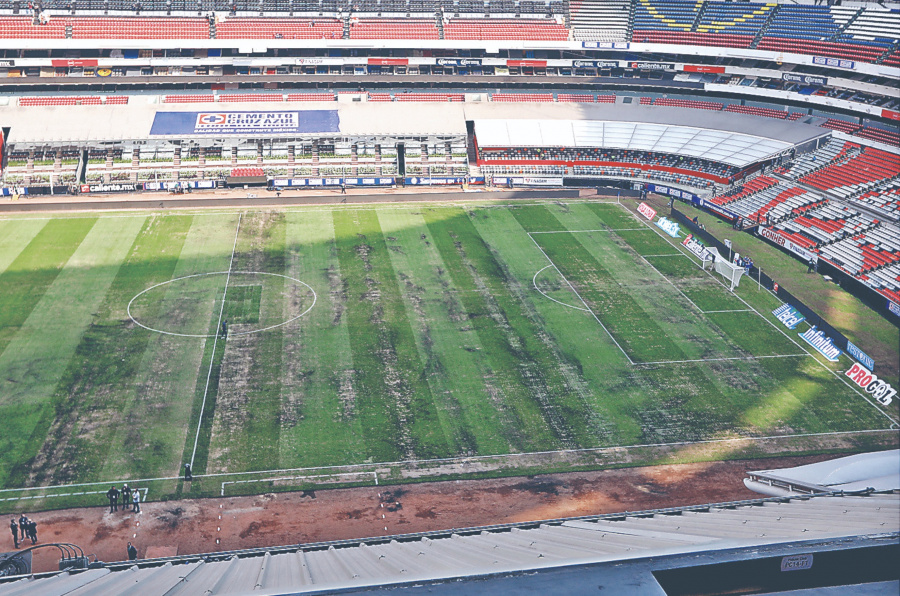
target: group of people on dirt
<point>128,496</point>
<point>27,527</point>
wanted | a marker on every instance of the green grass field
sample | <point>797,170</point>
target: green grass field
<point>370,336</point>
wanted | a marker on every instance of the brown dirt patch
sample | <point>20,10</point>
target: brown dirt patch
<point>212,525</point>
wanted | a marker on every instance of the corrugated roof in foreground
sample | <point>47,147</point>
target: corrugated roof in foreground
<point>486,552</point>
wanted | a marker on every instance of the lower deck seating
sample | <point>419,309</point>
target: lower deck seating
<point>755,111</point>
<point>310,97</point>
<point>394,29</point>
<point>688,103</point>
<point>251,97</point>
<point>869,166</point>
<point>521,97</point>
<point>189,98</point>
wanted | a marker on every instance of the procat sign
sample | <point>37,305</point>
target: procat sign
<point>869,381</point>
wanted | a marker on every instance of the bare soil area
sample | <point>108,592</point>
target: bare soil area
<point>213,525</point>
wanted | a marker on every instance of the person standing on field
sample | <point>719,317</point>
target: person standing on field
<point>113,495</point>
<point>15,531</point>
<point>126,496</point>
<point>132,552</point>
<point>23,526</point>
<point>32,531</point>
<point>136,501</point>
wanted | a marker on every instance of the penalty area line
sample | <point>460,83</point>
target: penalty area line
<point>222,492</point>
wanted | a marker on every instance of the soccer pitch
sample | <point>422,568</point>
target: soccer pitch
<point>364,339</point>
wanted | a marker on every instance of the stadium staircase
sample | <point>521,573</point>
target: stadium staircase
<point>345,21</point>
<point>847,24</point>
<point>765,27</point>
<point>893,50</point>
<point>439,23</point>
<point>700,13</point>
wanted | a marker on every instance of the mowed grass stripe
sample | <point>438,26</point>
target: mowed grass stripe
<point>246,405</point>
<point>394,401</point>
<point>509,338</point>
<point>448,347</point>
<point>15,236</point>
<point>37,358</point>
<point>580,356</point>
<point>100,375</point>
<point>156,410</point>
<point>25,280</point>
<point>319,422</point>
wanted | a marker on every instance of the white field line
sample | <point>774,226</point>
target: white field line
<point>674,254</point>
<point>841,378</point>
<point>707,312</point>
<point>300,208</point>
<point>574,291</point>
<point>212,357</point>
<point>362,473</point>
<point>90,492</point>
<point>586,231</point>
<point>534,283</point>
<point>630,361</point>
<point>461,460</point>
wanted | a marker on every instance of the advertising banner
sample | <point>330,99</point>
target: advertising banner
<point>704,68</point>
<point>669,227</point>
<point>838,62</point>
<point>647,211</point>
<point>860,356</point>
<point>775,237</point>
<point>696,247</point>
<point>595,63</point>
<point>126,187</point>
<point>877,388</point>
<point>434,181</point>
<point>710,206</point>
<point>894,308</point>
<point>822,343</point>
<point>605,45</point>
<point>790,316</point>
<point>653,65</point>
<point>458,61</point>
<point>245,123</point>
<point>806,79</point>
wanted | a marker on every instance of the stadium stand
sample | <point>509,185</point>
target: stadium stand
<point>750,187</point>
<point>832,151</point>
<point>774,203</point>
<point>600,20</point>
<point>286,28</point>
<point>81,100</point>
<point>311,97</point>
<point>202,98</point>
<point>688,103</point>
<point>394,29</point>
<point>755,111</point>
<point>251,97</point>
<point>506,29</point>
<point>841,125</point>
<point>888,137</point>
<point>848,177</point>
<point>522,97</point>
<point>575,97</point>
<point>884,199</point>
<point>412,97</point>
<point>828,223</point>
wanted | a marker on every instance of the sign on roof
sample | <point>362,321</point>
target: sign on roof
<point>254,123</point>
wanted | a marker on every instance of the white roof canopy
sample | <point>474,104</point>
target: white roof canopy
<point>736,149</point>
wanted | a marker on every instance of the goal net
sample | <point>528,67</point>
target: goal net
<point>731,272</point>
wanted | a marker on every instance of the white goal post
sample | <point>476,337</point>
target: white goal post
<point>723,267</point>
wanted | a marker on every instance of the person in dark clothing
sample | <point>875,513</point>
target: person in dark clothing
<point>188,475</point>
<point>23,525</point>
<point>126,495</point>
<point>113,495</point>
<point>343,188</point>
<point>15,531</point>
<point>810,265</point>
<point>32,531</point>
<point>132,552</point>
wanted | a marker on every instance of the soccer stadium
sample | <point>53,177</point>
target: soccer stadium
<point>449,296</point>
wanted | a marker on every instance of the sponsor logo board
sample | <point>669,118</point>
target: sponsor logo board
<point>107,188</point>
<point>537,181</point>
<point>595,63</point>
<point>775,237</point>
<point>647,211</point>
<point>7,63</point>
<point>894,308</point>
<point>669,227</point>
<point>788,315</point>
<point>796,562</point>
<point>838,62</point>
<point>866,379</point>
<point>696,247</point>
<point>822,343</point>
<point>230,123</point>
<point>860,356</point>
<point>805,79</point>
<point>458,61</point>
<point>605,45</point>
<point>652,65</point>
